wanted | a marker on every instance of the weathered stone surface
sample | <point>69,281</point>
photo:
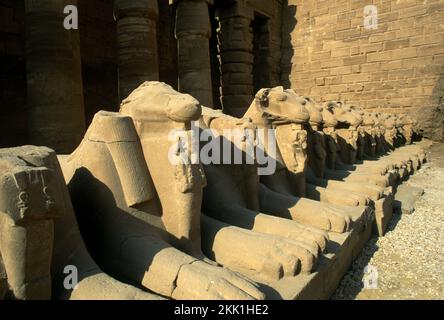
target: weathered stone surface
<point>378,69</point>
<point>235,37</point>
<point>138,59</point>
<point>295,231</point>
<point>431,121</point>
<point>193,31</point>
<point>35,254</point>
<point>406,197</point>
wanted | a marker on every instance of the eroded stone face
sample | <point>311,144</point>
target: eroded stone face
<point>156,101</point>
<point>329,122</point>
<point>32,191</point>
<point>389,124</point>
<point>182,209</point>
<point>28,205</point>
<point>316,154</point>
<point>294,147</point>
<point>348,139</point>
<point>278,105</point>
<point>407,129</point>
<point>165,256</point>
<point>157,110</point>
<point>332,146</point>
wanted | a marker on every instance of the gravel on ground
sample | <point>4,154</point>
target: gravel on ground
<point>408,262</point>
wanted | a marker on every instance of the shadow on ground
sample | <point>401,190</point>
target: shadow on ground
<point>360,264</point>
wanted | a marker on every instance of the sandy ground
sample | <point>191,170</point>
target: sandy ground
<point>408,262</point>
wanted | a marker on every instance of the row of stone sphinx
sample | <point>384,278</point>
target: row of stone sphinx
<point>135,226</point>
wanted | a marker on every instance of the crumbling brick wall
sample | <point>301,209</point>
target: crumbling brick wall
<point>398,67</point>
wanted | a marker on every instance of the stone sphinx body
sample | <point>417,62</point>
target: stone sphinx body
<point>134,243</point>
<point>266,231</point>
<point>40,237</point>
<point>323,151</point>
<point>377,197</point>
<point>368,133</point>
<point>354,137</point>
<point>316,164</point>
<point>371,127</point>
<point>395,137</point>
<point>367,163</point>
<point>234,195</point>
<point>336,169</point>
<point>347,131</point>
<point>276,194</point>
<point>389,136</point>
<point>177,224</point>
<point>27,211</point>
<point>140,214</point>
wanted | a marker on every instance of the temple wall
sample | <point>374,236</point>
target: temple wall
<point>318,47</point>
<point>97,30</point>
<point>398,67</point>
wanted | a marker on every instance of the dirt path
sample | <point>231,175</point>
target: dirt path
<point>409,260</point>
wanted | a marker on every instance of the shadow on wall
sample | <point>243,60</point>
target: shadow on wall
<point>431,118</point>
<point>13,113</point>
<point>97,31</point>
<point>289,23</point>
<point>353,282</point>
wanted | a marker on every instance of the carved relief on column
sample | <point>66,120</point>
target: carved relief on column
<point>193,32</point>
<point>235,36</point>
<point>54,79</point>
<point>137,43</point>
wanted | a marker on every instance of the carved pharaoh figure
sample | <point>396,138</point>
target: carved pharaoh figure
<point>27,211</point>
<point>113,190</point>
<point>40,237</point>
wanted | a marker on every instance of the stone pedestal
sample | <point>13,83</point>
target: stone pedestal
<point>136,43</point>
<point>54,79</point>
<point>193,32</point>
<point>235,36</point>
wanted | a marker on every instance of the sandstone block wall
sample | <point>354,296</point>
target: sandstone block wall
<point>318,47</point>
<point>398,67</point>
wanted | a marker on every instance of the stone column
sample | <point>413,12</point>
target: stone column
<point>193,32</point>
<point>54,79</point>
<point>137,43</point>
<point>235,36</point>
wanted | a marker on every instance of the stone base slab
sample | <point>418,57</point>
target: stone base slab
<point>319,285</point>
<point>406,197</point>
<point>383,213</point>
